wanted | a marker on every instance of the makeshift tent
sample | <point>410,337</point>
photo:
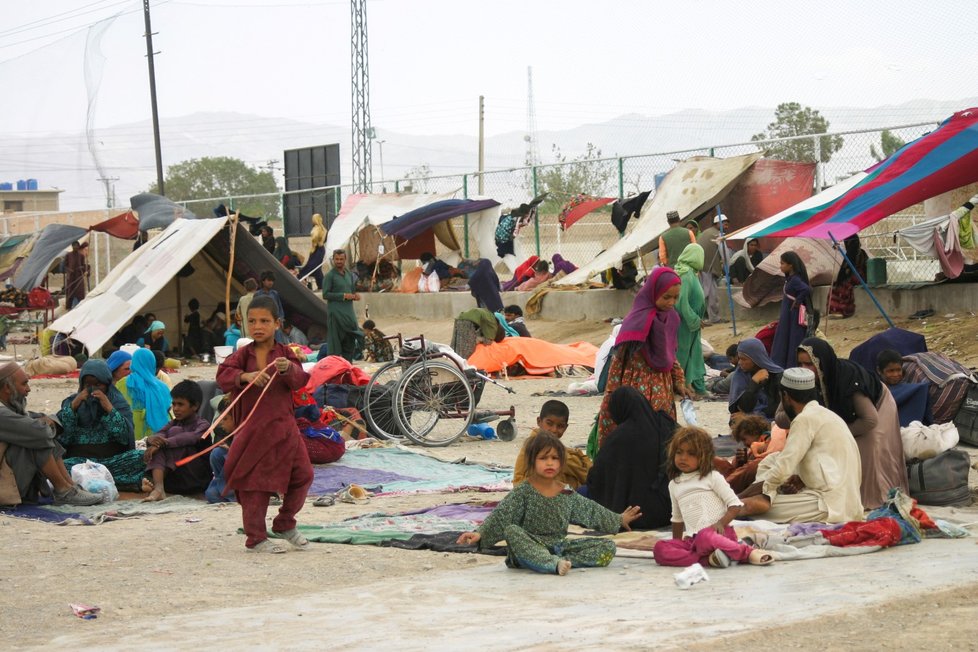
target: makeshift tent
<point>156,212</point>
<point>187,260</point>
<point>414,222</point>
<point>360,210</point>
<point>578,207</point>
<point>690,188</point>
<point>766,282</point>
<point>14,249</point>
<point>944,159</point>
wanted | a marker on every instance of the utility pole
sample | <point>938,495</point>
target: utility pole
<point>152,97</point>
<point>109,190</point>
<point>482,144</point>
<point>380,144</point>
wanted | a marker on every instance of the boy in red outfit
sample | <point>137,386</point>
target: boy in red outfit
<point>267,455</point>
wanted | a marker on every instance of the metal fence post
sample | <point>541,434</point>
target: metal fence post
<point>536,216</point>
<point>465,219</point>
<point>621,178</point>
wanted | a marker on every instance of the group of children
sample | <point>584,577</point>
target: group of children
<point>534,518</point>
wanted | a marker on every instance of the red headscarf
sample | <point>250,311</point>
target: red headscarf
<point>655,329</point>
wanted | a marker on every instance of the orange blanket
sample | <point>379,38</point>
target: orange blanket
<point>537,356</point>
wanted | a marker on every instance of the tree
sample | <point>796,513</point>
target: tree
<point>792,119</point>
<point>585,174</point>
<point>889,143</point>
<point>218,177</point>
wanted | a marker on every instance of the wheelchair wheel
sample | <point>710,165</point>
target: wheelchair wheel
<point>433,403</point>
<point>378,402</point>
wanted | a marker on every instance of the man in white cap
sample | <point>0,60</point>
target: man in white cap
<point>713,261</point>
<point>29,454</point>
<point>820,451</point>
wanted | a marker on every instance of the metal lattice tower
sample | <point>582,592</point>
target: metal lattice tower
<point>532,153</point>
<point>362,132</point>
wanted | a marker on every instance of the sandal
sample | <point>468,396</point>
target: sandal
<point>268,546</point>
<point>760,557</point>
<point>294,537</point>
<point>324,501</point>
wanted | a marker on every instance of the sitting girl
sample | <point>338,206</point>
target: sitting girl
<point>702,504</point>
<point>534,517</point>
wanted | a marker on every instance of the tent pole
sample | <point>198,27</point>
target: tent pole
<point>855,271</point>
<point>726,272</point>
<point>181,341</point>
<point>227,286</point>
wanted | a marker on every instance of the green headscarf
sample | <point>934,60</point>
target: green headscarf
<point>690,260</point>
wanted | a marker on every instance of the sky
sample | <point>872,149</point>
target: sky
<point>430,60</point>
<point>71,65</point>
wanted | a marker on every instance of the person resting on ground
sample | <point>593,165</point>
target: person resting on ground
<point>754,385</point>
<point>148,396</point>
<point>98,426</point>
<point>176,440</point>
<point>720,385</point>
<point>484,286</point>
<point>533,518</point>
<point>553,420</point>
<point>629,468</point>
<point>293,335</point>
<point>30,455</point>
<point>815,479</point>
<point>514,317</point>
<point>156,339</point>
<point>868,408</point>
<point>703,505</point>
<point>215,490</point>
<point>753,433</point>
<point>161,374</point>
<point>541,274</point>
<point>375,347</point>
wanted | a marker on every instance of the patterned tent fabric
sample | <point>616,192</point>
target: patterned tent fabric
<point>578,207</point>
<point>944,159</point>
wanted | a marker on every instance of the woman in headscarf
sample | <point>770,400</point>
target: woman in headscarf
<point>743,262</point>
<point>842,296</point>
<point>692,309</point>
<point>155,337</point>
<point>797,293</point>
<point>268,238</point>
<point>119,363</point>
<point>98,426</point>
<point>484,285</point>
<point>148,396</point>
<point>561,264</point>
<point>868,408</point>
<point>317,251</point>
<point>755,385</point>
<point>630,467</point>
<point>644,355</point>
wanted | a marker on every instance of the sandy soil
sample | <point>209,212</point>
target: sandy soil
<point>140,570</point>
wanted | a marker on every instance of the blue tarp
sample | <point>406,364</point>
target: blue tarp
<point>414,222</point>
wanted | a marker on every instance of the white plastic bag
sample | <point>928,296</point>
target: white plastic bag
<point>689,411</point>
<point>924,442</point>
<point>96,478</point>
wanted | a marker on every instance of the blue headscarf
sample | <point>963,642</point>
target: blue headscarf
<point>146,391</point>
<point>117,359</point>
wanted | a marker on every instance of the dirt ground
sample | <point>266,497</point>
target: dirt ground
<point>155,574</point>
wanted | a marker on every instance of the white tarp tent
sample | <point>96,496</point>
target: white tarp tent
<point>157,277</point>
<point>690,188</point>
<point>359,210</point>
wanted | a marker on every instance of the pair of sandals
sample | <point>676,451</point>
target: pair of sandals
<point>758,557</point>
<point>353,494</point>
<point>271,547</point>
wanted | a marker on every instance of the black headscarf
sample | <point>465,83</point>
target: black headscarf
<point>630,467</point>
<point>484,284</point>
<point>839,379</point>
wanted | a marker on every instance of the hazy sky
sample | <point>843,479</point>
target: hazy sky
<point>431,59</point>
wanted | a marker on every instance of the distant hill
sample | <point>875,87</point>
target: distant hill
<point>63,160</point>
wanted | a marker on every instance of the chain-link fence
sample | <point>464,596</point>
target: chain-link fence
<point>837,156</point>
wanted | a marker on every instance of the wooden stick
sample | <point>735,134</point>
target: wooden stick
<point>227,287</point>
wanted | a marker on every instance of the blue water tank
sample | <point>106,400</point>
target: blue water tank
<point>21,184</point>
<point>32,184</point>
<point>6,185</point>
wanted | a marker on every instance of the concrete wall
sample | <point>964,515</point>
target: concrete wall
<point>596,305</point>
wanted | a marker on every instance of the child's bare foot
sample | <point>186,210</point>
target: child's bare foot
<point>563,566</point>
<point>146,486</point>
<point>155,495</point>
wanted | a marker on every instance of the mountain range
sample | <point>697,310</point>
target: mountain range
<point>62,160</point>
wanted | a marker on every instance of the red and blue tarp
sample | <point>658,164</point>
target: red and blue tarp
<point>417,221</point>
<point>942,160</point>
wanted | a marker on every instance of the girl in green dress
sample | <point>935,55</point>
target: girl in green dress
<point>534,517</point>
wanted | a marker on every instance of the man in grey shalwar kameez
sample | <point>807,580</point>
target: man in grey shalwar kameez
<point>343,334</point>
<point>30,455</point>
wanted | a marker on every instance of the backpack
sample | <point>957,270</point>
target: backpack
<point>967,417</point>
<point>941,480</point>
